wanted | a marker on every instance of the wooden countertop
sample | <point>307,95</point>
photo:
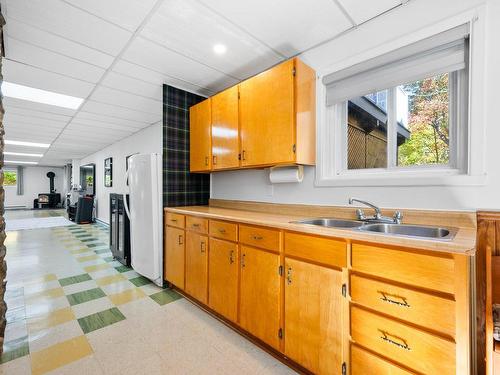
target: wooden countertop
<point>464,241</point>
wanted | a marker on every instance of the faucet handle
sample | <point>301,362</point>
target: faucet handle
<point>360,214</point>
<point>398,217</point>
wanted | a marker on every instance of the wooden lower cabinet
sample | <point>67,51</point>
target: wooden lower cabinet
<point>260,294</point>
<point>364,362</point>
<point>313,316</point>
<point>174,256</point>
<point>223,264</point>
<point>197,266</point>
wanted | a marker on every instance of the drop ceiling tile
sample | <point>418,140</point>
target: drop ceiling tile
<point>133,85</point>
<point>19,135</point>
<point>120,112</point>
<point>83,128</point>
<point>128,15</point>
<point>69,22</point>
<point>147,75</point>
<point>33,77</point>
<point>360,11</point>
<point>24,32</point>
<point>288,26</point>
<point>160,59</point>
<point>52,62</point>
<point>107,119</point>
<point>189,27</point>
<point>37,114</point>
<point>128,100</point>
<point>41,122</point>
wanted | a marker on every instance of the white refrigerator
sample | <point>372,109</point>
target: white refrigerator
<point>144,210</point>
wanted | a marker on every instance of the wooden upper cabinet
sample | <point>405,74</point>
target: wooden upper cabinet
<point>277,116</point>
<point>200,136</point>
<point>313,311</point>
<point>225,132</point>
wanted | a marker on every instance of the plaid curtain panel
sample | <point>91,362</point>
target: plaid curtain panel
<point>180,187</point>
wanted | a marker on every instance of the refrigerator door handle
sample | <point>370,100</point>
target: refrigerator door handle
<point>125,204</point>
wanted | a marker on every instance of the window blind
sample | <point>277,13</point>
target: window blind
<point>441,53</point>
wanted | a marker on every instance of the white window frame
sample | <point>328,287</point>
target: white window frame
<point>467,168</point>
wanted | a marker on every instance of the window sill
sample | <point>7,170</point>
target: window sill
<point>402,178</point>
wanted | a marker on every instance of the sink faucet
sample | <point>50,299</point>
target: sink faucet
<point>378,217</point>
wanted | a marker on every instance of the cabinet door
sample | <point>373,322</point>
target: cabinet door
<point>313,316</point>
<point>267,124</point>
<point>260,294</point>
<point>197,265</point>
<point>223,278</point>
<point>225,133</point>
<point>200,122</point>
<point>174,256</point>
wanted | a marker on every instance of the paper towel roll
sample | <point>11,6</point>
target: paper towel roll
<point>283,175</point>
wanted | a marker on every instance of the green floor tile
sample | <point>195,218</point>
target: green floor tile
<point>75,279</point>
<point>101,251</point>
<point>139,281</point>
<point>15,349</point>
<point>122,269</point>
<point>85,296</point>
<point>165,296</point>
<point>101,319</point>
<point>95,244</point>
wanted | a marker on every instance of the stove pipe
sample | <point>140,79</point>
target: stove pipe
<point>51,176</point>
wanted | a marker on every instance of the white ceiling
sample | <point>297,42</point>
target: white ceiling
<point>116,54</point>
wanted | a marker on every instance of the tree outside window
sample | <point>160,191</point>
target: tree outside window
<point>9,178</point>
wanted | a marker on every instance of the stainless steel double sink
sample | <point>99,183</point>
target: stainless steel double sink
<point>404,230</point>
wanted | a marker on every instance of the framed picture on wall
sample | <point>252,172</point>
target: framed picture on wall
<point>108,172</point>
<point>126,163</point>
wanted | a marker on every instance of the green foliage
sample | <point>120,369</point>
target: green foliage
<point>9,178</point>
<point>428,123</point>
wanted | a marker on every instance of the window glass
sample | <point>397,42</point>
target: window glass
<point>423,122</point>
<point>367,131</point>
<point>9,178</point>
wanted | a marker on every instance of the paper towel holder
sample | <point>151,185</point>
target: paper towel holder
<point>286,174</point>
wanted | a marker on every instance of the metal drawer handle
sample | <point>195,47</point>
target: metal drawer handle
<point>222,230</point>
<point>231,257</point>
<point>180,239</point>
<point>214,160</point>
<point>289,276</point>
<point>257,238</point>
<point>243,260</point>
<point>206,161</point>
<point>173,220</point>
<point>385,298</point>
<point>396,340</point>
<point>196,225</point>
<point>202,246</point>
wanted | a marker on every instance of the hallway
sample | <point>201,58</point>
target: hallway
<point>72,309</point>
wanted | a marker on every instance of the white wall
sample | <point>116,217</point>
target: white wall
<point>148,140</point>
<point>35,182</point>
<point>407,20</point>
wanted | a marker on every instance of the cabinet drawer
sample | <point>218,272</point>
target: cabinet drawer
<point>419,308</point>
<point>364,362</point>
<point>409,346</point>
<point>175,220</point>
<point>197,224</point>
<point>260,237</point>
<point>318,249</point>
<point>434,272</point>
<point>224,230</point>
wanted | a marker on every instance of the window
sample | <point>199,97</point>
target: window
<point>400,113</point>
<point>9,178</point>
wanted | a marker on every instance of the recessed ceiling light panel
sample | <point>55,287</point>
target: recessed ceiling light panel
<point>27,144</point>
<point>22,154</point>
<point>220,49</point>
<point>19,162</point>
<point>13,90</point>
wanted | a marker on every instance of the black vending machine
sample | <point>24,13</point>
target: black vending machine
<point>119,231</point>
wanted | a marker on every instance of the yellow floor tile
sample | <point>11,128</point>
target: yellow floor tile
<point>80,251</point>
<point>110,279</point>
<point>50,293</point>
<point>51,319</point>
<point>59,355</point>
<point>87,258</point>
<point>97,267</point>
<point>41,279</point>
<point>127,296</point>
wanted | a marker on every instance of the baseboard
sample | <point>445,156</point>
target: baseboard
<point>101,222</point>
